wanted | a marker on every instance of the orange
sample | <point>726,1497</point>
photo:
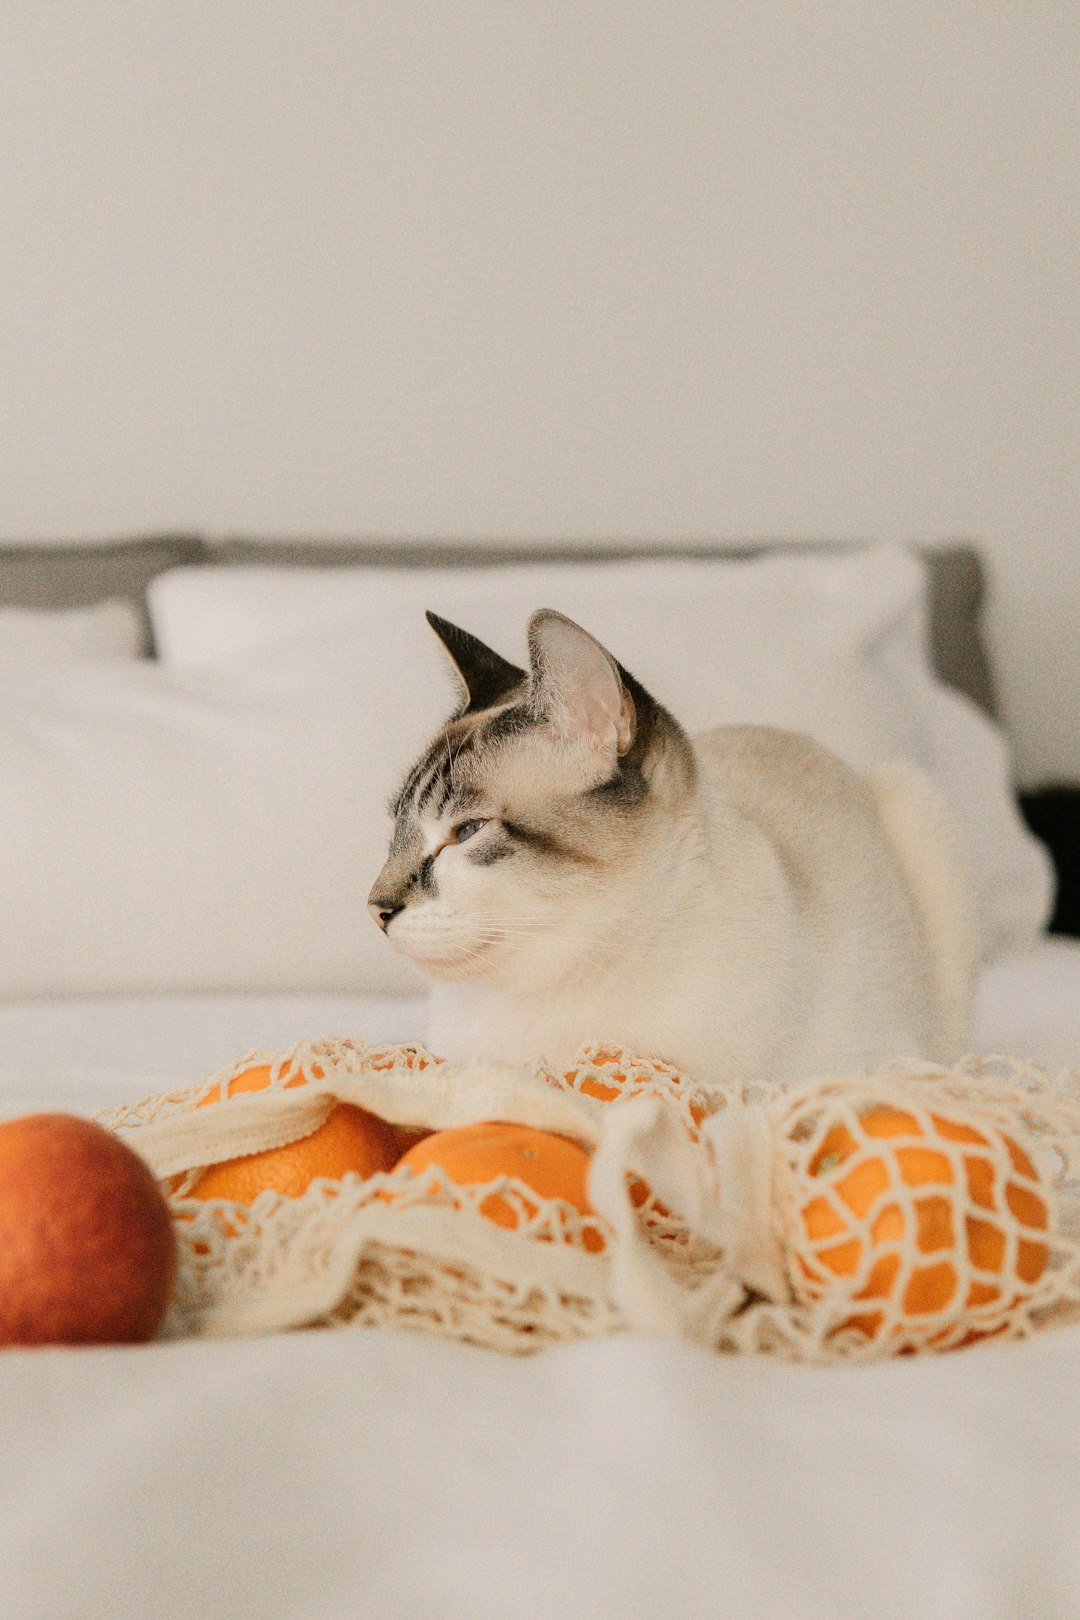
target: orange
<point>254,1079</point>
<point>349,1139</point>
<point>613,1063</point>
<point>950,1222</point>
<point>87,1248</point>
<point>473,1155</point>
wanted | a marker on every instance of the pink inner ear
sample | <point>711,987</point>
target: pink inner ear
<point>627,722</point>
<point>582,691</point>
<point>609,726</point>
<point>593,725</point>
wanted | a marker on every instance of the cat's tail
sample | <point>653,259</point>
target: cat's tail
<point>923,833</point>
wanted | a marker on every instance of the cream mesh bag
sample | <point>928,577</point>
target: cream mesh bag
<point>391,1249</point>
<point>909,1209</point>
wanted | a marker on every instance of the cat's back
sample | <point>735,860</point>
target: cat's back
<point>874,864</point>
<point>803,797</point>
<point>862,943</point>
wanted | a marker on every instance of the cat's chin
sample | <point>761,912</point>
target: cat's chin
<point>448,972</point>
<point>454,968</point>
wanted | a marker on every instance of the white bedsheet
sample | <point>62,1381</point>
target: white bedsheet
<point>314,1475</point>
<point>88,1054</point>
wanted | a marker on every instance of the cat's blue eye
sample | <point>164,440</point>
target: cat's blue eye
<point>468,829</point>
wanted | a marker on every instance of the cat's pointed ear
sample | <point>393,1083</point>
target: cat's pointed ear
<point>576,684</point>
<point>485,677</point>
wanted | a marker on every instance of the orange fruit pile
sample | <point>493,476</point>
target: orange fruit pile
<point>957,1228</point>
<point>87,1247</point>
<point>353,1141</point>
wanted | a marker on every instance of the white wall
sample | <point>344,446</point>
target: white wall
<point>538,268</point>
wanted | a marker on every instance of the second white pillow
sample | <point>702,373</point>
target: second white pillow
<point>39,636</point>
<point>829,644</point>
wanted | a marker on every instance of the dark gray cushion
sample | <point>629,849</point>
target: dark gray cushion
<point>77,575</point>
<point>957,583</point>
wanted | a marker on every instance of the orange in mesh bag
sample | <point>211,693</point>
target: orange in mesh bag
<point>501,1154</point>
<point>935,1225</point>
<point>612,1073</point>
<point>350,1140</point>
<point>914,1209</point>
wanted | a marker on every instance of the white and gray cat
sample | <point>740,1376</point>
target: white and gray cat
<point>570,865</point>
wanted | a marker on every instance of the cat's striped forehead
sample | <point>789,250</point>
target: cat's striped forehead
<point>450,774</point>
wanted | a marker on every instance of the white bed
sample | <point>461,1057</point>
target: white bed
<point>196,866</point>
<point>315,1475</point>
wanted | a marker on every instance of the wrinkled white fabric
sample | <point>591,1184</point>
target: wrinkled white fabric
<point>331,1476</point>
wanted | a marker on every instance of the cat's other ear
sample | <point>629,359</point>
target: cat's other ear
<point>485,677</point>
<point>576,685</point>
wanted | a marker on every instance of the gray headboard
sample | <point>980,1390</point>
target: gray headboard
<point>74,575</point>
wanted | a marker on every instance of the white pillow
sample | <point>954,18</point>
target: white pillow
<point>109,629</point>
<point>167,831</point>
<point>834,645</point>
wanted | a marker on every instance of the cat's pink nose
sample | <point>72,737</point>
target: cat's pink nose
<point>384,911</point>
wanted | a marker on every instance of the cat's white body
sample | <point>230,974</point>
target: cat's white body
<point>569,866</point>
<point>790,929</point>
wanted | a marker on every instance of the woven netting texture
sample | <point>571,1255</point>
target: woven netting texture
<point>910,1209</point>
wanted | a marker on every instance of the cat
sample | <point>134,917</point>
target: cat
<point>569,865</point>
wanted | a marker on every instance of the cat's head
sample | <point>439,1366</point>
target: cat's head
<point>520,830</point>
